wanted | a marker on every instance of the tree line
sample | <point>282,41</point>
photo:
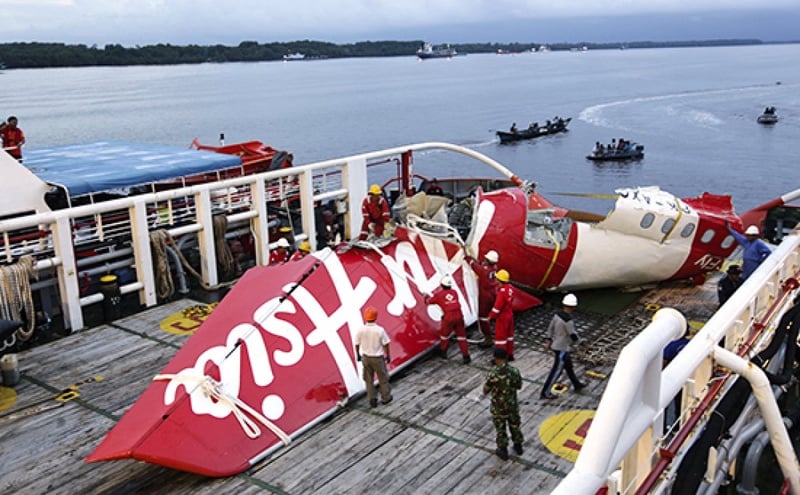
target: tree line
<point>35,54</point>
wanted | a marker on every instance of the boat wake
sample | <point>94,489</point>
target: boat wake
<point>598,114</point>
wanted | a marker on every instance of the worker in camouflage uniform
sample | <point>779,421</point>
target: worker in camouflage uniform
<point>503,383</point>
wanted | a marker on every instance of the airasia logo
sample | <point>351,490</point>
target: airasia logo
<point>408,276</point>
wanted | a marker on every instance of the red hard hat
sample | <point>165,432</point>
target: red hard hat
<point>370,314</point>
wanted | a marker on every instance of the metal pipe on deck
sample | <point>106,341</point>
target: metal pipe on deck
<point>762,390</point>
<point>604,447</point>
<point>98,297</point>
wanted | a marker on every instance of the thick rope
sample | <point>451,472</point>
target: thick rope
<point>216,392</point>
<point>16,295</point>
<point>225,261</point>
<point>160,239</point>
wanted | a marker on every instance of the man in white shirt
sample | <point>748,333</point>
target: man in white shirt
<point>372,349</point>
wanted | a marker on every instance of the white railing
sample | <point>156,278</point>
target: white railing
<point>55,237</point>
<point>626,434</point>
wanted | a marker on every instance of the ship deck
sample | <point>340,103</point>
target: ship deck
<point>435,437</point>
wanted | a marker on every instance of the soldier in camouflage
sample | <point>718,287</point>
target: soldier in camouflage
<point>503,383</point>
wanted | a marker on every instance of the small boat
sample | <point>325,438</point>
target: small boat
<point>768,117</point>
<point>534,131</point>
<point>430,51</point>
<point>294,57</point>
<point>632,151</point>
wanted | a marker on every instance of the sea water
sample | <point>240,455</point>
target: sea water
<point>694,110</point>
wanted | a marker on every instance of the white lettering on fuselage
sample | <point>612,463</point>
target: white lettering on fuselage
<point>249,337</point>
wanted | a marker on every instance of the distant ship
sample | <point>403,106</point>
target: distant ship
<point>294,56</point>
<point>442,51</point>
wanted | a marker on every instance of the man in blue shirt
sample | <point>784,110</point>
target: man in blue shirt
<point>755,250</point>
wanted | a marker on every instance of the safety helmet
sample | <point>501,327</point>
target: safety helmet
<point>492,256</point>
<point>370,314</point>
<point>282,242</point>
<point>446,281</point>
<point>570,300</point>
<point>751,230</point>
<point>502,276</point>
<point>375,189</point>
<point>305,247</point>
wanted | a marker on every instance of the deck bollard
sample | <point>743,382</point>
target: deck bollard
<point>112,297</point>
<point>10,370</point>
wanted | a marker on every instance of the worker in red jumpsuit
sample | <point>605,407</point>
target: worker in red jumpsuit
<point>503,314</point>
<point>375,210</point>
<point>487,292</point>
<point>281,252</point>
<point>13,138</point>
<point>302,251</point>
<point>452,319</point>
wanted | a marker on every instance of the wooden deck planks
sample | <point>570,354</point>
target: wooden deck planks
<point>435,437</point>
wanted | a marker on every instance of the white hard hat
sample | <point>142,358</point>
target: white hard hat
<point>751,230</point>
<point>570,300</point>
<point>282,242</point>
<point>446,281</point>
<point>491,256</point>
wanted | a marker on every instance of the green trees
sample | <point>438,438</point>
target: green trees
<point>28,55</point>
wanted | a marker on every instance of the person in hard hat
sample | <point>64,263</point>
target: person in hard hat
<point>375,211</point>
<point>503,314</point>
<point>503,383</point>
<point>302,250</point>
<point>561,334</point>
<point>487,291</point>
<point>281,252</point>
<point>372,350</point>
<point>452,320</point>
<point>729,283</point>
<point>755,250</point>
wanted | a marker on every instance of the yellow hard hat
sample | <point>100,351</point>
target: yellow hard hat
<point>375,189</point>
<point>305,247</point>
<point>502,276</point>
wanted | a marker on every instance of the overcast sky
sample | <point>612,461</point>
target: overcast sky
<point>204,22</point>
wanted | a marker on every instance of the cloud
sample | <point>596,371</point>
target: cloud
<point>207,22</point>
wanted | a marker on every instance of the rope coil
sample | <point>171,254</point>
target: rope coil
<point>160,240</point>
<point>16,297</point>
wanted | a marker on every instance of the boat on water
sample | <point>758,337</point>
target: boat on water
<point>534,131</point>
<point>630,151</point>
<point>768,117</point>
<point>293,57</point>
<point>274,358</point>
<point>428,50</point>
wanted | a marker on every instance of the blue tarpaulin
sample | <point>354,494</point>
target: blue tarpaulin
<point>105,165</point>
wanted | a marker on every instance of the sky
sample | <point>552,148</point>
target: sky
<point>228,22</point>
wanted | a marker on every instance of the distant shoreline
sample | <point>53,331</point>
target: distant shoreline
<point>44,55</point>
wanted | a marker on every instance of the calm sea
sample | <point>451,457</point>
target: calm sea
<point>694,110</point>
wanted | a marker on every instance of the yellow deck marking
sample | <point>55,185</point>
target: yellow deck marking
<point>564,432</point>
<point>187,320</point>
<point>8,397</point>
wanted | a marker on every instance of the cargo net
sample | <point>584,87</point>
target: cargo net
<point>603,336</point>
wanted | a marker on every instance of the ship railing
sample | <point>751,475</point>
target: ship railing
<point>626,449</point>
<point>116,233</point>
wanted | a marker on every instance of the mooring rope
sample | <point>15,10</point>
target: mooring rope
<point>215,391</point>
<point>161,239</point>
<point>16,295</point>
